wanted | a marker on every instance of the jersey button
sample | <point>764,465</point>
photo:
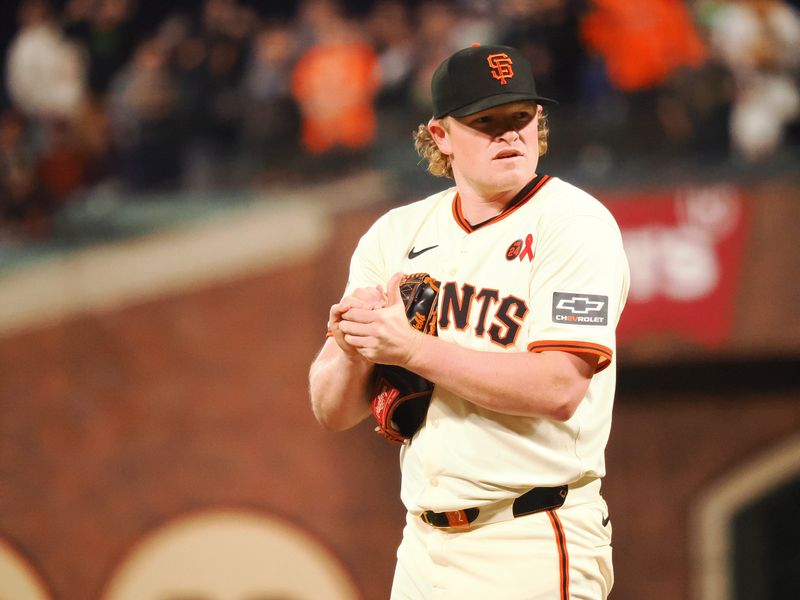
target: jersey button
<point>434,481</point>
<point>435,422</point>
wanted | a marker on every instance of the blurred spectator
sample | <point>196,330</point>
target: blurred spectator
<point>189,57</point>
<point>477,22</point>
<point>62,162</point>
<point>222,94</point>
<point>335,82</point>
<point>210,64</point>
<point>143,112</point>
<point>435,25</point>
<point>45,73</point>
<point>22,202</point>
<point>643,43</point>
<point>227,29</point>
<point>389,28</point>
<point>547,31</point>
<point>271,120</point>
<point>758,41</point>
<point>649,50</point>
<point>105,30</point>
<point>391,33</point>
<point>93,136</point>
<point>46,77</point>
<point>442,27</point>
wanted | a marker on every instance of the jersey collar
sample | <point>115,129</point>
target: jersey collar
<point>525,194</point>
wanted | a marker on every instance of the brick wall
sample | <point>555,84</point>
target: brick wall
<point>113,423</point>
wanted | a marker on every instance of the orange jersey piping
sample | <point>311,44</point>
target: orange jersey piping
<point>525,194</point>
<point>563,554</point>
<point>605,353</point>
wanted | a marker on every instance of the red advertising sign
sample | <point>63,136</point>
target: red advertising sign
<point>685,249</point>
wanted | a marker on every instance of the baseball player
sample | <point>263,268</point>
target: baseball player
<point>502,479</point>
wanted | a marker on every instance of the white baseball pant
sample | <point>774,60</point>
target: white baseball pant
<point>563,554</point>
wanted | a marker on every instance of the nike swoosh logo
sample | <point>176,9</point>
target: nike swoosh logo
<point>414,254</point>
<point>606,520</point>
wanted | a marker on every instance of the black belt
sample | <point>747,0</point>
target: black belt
<point>532,501</point>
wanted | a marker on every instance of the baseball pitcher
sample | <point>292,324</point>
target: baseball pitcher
<point>478,328</point>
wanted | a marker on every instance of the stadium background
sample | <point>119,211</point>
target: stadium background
<point>177,218</point>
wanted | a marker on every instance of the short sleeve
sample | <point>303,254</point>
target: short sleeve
<point>368,263</point>
<point>579,284</point>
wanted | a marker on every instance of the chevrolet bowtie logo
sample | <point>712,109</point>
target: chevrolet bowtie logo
<point>580,305</point>
<point>580,309</point>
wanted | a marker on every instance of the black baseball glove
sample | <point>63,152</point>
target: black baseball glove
<point>400,398</point>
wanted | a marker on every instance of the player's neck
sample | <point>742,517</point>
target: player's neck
<point>478,206</point>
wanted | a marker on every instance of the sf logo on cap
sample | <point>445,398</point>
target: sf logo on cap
<point>501,67</point>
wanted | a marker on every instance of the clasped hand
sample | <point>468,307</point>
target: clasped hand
<point>373,324</point>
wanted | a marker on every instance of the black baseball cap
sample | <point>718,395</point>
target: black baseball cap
<point>480,77</point>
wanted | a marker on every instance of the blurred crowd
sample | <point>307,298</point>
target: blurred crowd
<point>231,93</point>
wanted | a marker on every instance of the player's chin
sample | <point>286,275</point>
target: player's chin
<point>512,174</point>
<point>512,164</point>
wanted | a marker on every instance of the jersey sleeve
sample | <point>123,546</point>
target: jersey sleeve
<point>368,263</point>
<point>579,284</point>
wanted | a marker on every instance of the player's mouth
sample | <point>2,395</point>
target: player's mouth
<point>505,154</point>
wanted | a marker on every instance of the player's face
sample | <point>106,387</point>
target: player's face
<point>495,151</point>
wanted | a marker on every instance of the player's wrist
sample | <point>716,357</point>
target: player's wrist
<point>356,364</point>
<point>414,350</point>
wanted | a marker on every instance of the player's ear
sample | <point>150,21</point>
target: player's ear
<point>439,131</point>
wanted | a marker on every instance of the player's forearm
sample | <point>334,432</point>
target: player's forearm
<point>549,384</point>
<point>337,386</point>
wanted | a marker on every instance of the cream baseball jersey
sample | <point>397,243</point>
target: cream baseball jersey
<point>548,273</point>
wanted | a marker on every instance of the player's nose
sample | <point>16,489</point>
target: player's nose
<point>508,134</point>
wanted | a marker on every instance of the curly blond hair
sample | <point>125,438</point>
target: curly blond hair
<point>440,164</point>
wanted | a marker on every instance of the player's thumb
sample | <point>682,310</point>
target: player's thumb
<point>393,295</point>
